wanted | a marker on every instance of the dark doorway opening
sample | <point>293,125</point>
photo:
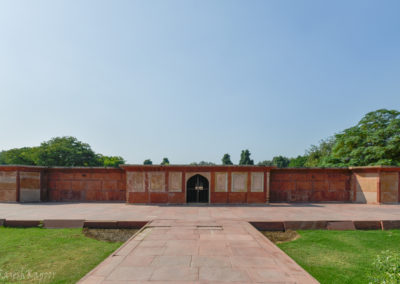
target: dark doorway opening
<point>197,189</point>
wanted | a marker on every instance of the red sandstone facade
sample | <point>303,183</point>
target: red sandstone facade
<point>142,184</point>
<point>169,184</point>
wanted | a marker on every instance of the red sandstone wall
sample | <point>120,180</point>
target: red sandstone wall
<point>8,186</point>
<point>376,185</point>
<point>310,185</point>
<point>390,187</point>
<point>82,184</point>
<point>22,183</point>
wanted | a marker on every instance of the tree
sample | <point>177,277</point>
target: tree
<point>19,156</point>
<point>60,151</point>
<point>147,162</point>
<point>375,140</point>
<point>111,161</point>
<point>245,158</point>
<point>66,151</point>
<point>298,162</point>
<point>267,163</point>
<point>226,160</point>
<point>202,163</point>
<point>317,155</point>
<point>165,161</point>
<point>280,161</point>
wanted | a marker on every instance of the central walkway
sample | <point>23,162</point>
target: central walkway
<point>179,251</point>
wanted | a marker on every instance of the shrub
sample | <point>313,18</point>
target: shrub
<point>387,268</point>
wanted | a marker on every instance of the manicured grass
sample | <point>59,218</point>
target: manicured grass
<point>49,255</point>
<point>341,256</point>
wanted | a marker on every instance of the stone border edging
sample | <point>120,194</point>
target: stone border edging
<point>281,226</point>
<point>390,224</point>
<point>22,223</point>
<point>72,223</point>
<point>61,223</point>
<point>94,224</point>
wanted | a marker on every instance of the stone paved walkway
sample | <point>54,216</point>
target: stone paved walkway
<point>272,212</point>
<point>178,251</point>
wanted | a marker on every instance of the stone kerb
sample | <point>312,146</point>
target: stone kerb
<point>368,225</point>
<point>326,225</point>
<point>269,226</point>
<point>22,223</point>
<point>101,224</point>
<point>305,225</point>
<point>60,223</point>
<point>390,224</point>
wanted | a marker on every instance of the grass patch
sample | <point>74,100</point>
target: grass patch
<point>343,256</point>
<point>49,255</point>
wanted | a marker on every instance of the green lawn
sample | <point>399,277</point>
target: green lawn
<point>49,255</point>
<point>342,256</point>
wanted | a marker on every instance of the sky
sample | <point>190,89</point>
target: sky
<point>192,80</point>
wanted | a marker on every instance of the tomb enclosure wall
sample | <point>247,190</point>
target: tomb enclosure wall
<point>147,184</point>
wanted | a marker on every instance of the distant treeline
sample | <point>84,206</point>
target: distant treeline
<point>375,140</point>
<point>60,151</point>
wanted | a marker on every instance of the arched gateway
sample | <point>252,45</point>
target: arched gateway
<point>181,184</point>
<point>197,189</point>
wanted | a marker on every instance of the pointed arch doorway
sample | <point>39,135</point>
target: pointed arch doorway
<point>197,189</point>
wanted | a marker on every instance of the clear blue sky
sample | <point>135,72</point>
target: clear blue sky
<point>192,80</point>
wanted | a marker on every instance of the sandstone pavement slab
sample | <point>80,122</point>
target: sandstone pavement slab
<point>240,254</point>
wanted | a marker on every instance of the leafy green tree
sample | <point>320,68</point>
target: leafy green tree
<point>165,161</point>
<point>226,159</point>
<point>280,161</point>
<point>298,162</point>
<point>19,156</point>
<point>245,158</point>
<point>375,140</point>
<point>59,151</point>
<point>267,163</point>
<point>68,152</point>
<point>202,163</point>
<point>110,161</point>
<point>317,155</point>
<point>147,162</point>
